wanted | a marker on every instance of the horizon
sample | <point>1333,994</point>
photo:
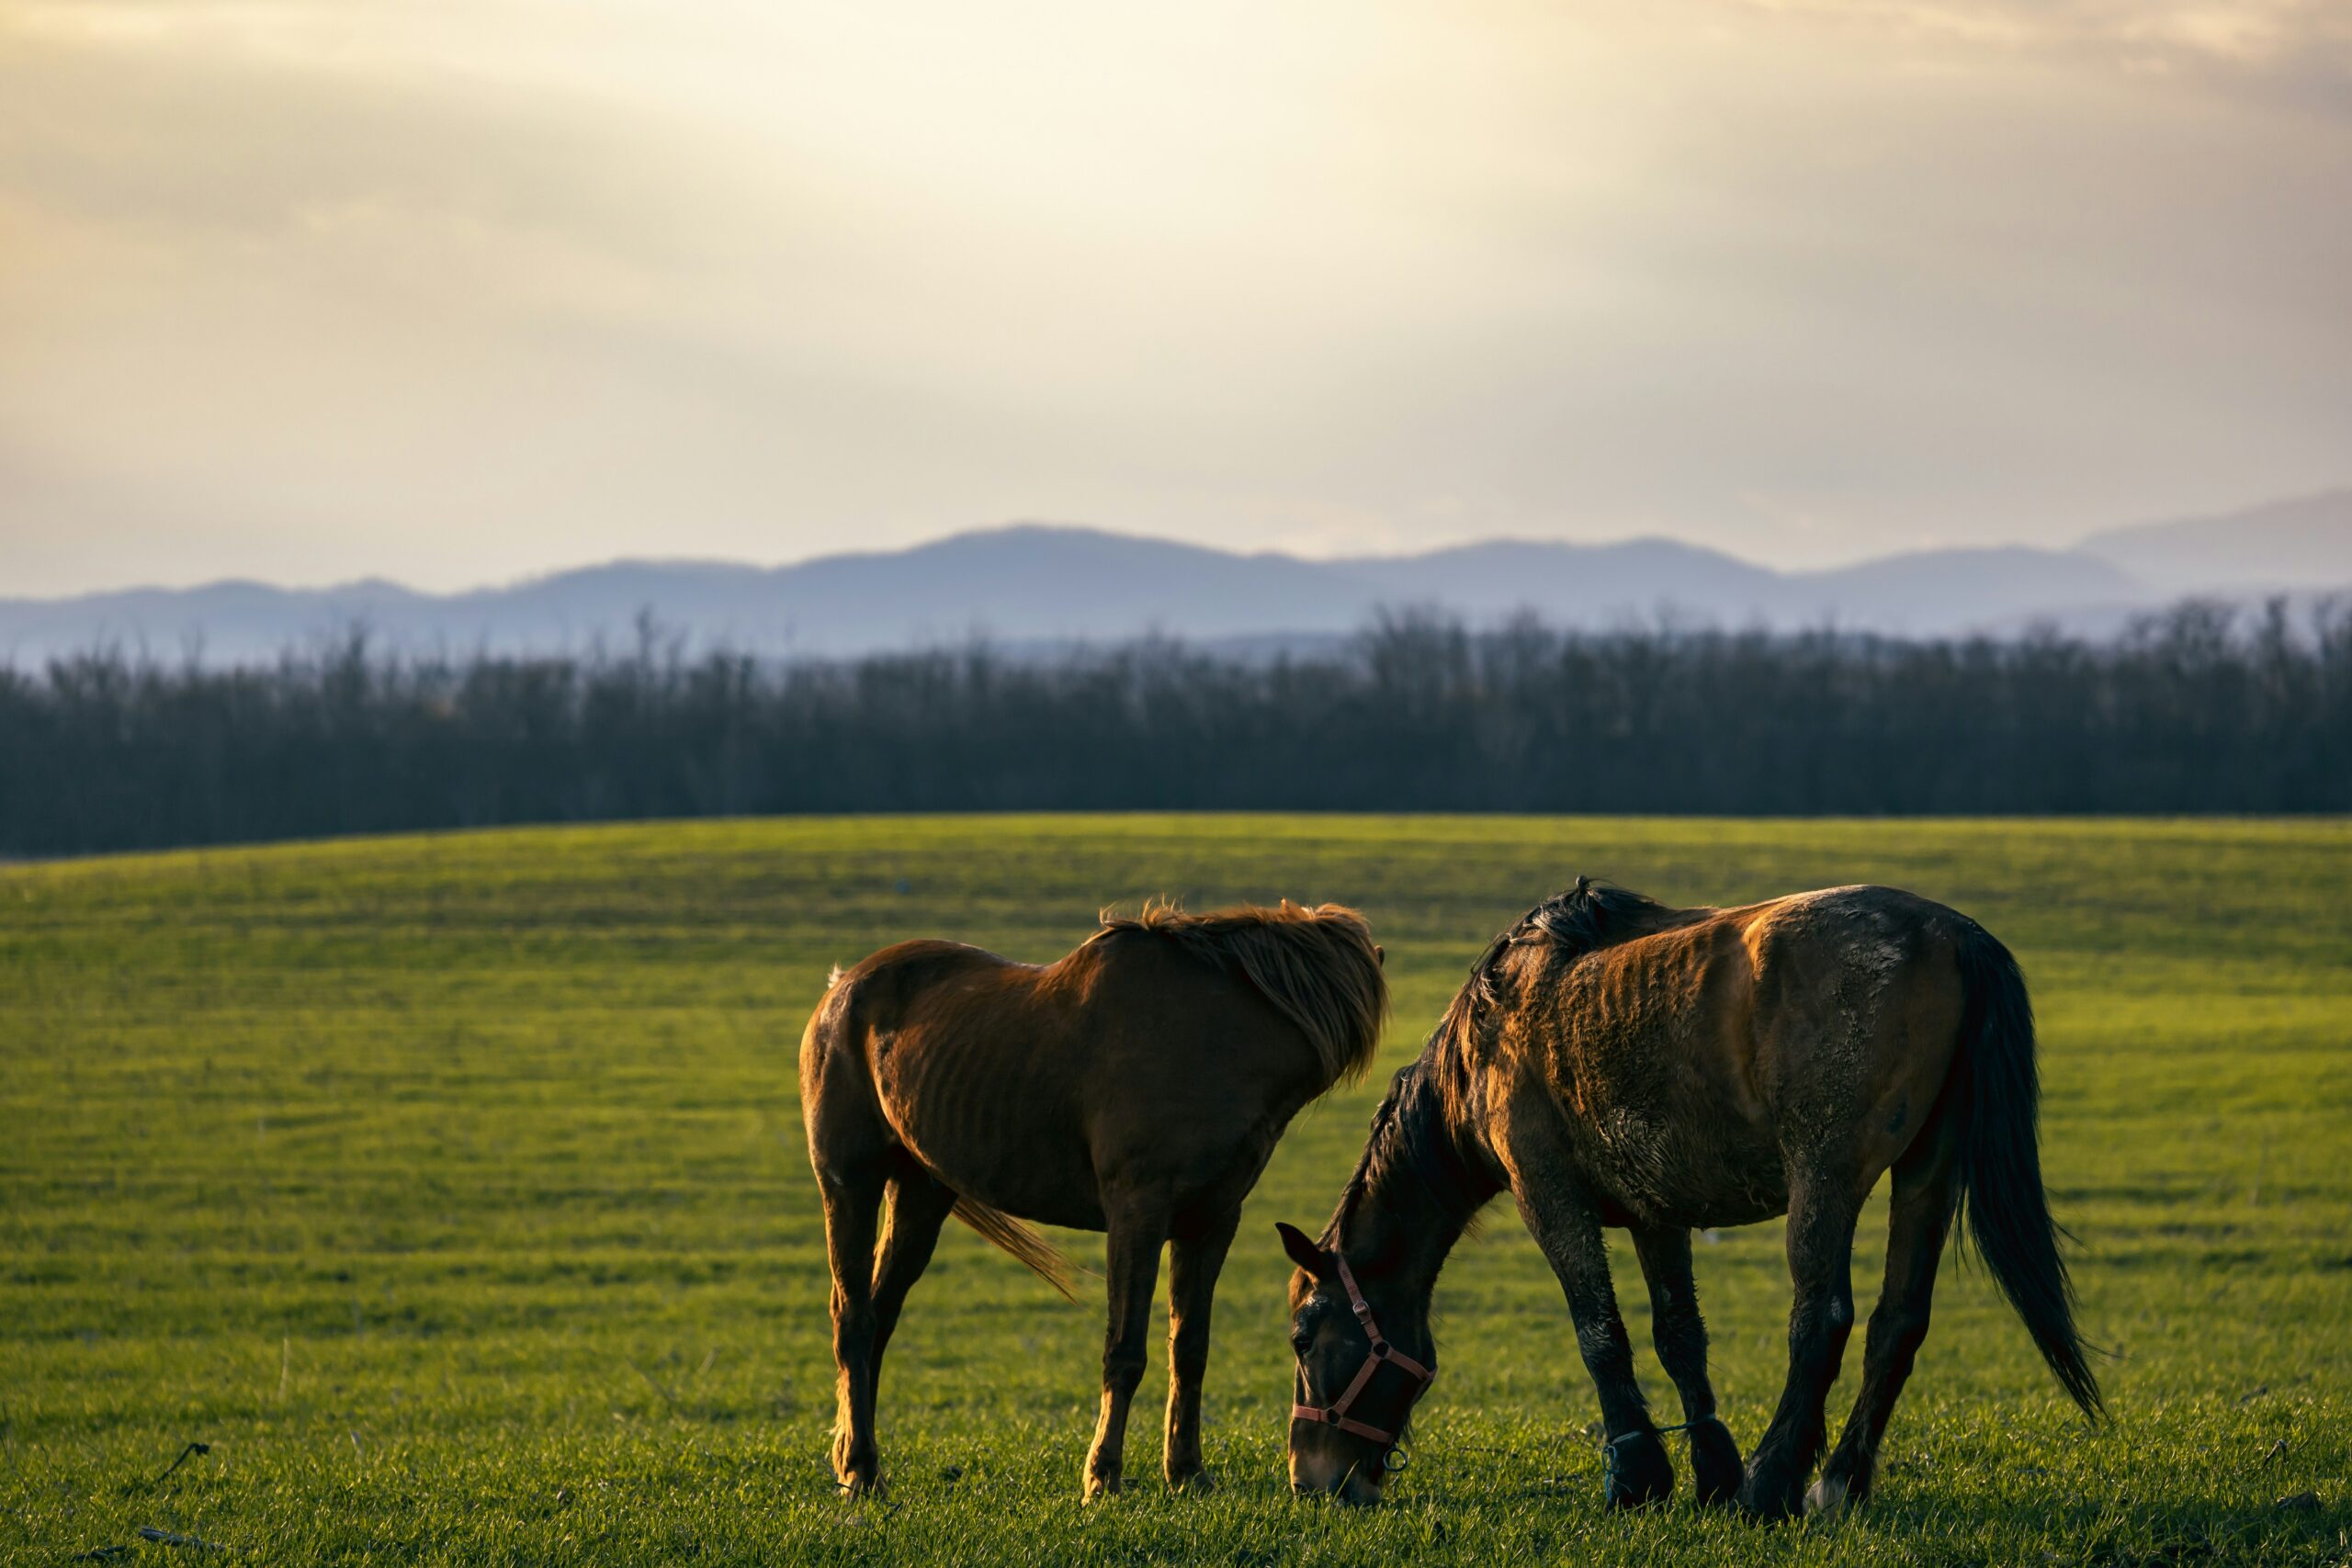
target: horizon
<point>307,293</point>
<point>386,579</point>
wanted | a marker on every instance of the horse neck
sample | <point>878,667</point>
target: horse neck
<point>1423,1184</point>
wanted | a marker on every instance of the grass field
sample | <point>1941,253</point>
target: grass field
<point>452,1190</point>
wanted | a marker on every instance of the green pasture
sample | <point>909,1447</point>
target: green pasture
<point>451,1190</point>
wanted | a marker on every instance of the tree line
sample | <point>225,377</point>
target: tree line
<point>2201,709</point>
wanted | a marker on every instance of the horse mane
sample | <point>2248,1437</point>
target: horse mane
<point>1409,1131</point>
<point>1316,965</point>
<point>1410,1137</point>
<point>1381,1150</point>
<point>1572,922</point>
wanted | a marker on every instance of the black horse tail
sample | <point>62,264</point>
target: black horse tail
<point>2001,1162</point>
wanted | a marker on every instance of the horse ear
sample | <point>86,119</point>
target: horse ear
<point>1302,1252</point>
<point>1380,956</point>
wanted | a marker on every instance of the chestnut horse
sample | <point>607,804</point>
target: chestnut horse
<point>1135,1087</point>
<point>1615,1061</point>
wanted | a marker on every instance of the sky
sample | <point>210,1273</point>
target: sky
<point>458,291</point>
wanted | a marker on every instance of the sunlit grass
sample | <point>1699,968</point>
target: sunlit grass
<point>451,1190</point>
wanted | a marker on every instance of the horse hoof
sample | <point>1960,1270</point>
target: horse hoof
<point>1639,1474</point>
<point>1774,1489</point>
<point>1098,1487</point>
<point>1714,1464</point>
<point>1197,1483</point>
<point>1768,1500</point>
<point>858,1485</point>
<point>1828,1497</point>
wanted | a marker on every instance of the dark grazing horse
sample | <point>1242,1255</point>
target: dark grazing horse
<point>1135,1087</point>
<point>1615,1061</point>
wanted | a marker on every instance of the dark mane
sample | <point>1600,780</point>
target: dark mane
<point>1316,965</point>
<point>1411,1138</point>
<point>1572,922</point>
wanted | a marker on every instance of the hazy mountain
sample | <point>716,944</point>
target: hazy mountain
<point>1033,581</point>
<point>1584,584</point>
<point>2305,543</point>
<point>1050,585</point>
<point>1922,591</point>
<point>1931,590</point>
<point>221,622</point>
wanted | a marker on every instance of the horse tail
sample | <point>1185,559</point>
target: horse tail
<point>830,1030</point>
<point>2001,1162</point>
<point>1023,1242</point>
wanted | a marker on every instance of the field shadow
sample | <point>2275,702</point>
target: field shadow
<point>2124,1532</point>
<point>2073,1527</point>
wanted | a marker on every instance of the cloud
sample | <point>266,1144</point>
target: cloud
<point>2297,52</point>
<point>458,291</point>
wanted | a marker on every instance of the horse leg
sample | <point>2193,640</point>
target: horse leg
<point>1927,1196</point>
<point>851,1196</point>
<point>1567,1227</point>
<point>1195,1258</point>
<point>918,1205</point>
<point>1137,1231</point>
<point>1680,1335</point>
<point>1821,1251</point>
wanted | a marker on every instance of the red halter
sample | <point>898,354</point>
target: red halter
<point>1335,1413</point>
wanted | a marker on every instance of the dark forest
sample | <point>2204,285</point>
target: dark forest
<point>2202,709</point>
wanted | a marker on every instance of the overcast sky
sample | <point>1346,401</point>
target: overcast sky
<point>459,291</point>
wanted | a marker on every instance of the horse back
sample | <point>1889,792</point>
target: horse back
<point>1856,1004</point>
<point>1699,1062</point>
<point>1031,1089</point>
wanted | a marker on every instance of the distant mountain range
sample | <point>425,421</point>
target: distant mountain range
<point>1029,583</point>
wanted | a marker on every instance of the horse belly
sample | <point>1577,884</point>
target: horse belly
<point>1745,1185</point>
<point>1652,1075</point>
<point>1010,1141</point>
<point>1661,1173</point>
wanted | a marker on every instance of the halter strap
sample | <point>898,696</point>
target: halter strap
<point>1335,1413</point>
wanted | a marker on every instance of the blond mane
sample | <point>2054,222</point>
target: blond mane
<point>1317,965</point>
